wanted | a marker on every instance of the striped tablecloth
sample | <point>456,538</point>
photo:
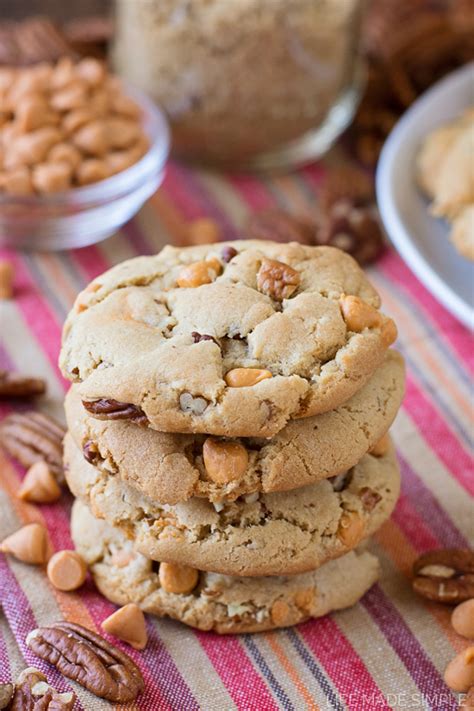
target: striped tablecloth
<point>387,652</point>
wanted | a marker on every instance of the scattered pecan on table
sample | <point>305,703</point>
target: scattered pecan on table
<point>89,660</point>
<point>13,385</point>
<point>34,437</point>
<point>445,576</point>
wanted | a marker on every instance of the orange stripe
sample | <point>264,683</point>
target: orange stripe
<point>70,604</point>
<point>271,639</point>
<point>402,555</point>
<point>54,272</point>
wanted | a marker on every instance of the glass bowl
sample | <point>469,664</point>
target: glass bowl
<point>84,216</point>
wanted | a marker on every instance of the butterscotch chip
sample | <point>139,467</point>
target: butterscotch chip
<point>224,461</point>
<point>462,619</point>
<point>6,280</point>
<point>382,446</point>
<point>198,273</point>
<point>246,377</point>
<point>280,613</point>
<point>203,231</point>
<point>351,529</point>
<point>180,579</point>
<point>39,485</point>
<point>359,315</point>
<point>67,570</point>
<point>52,177</point>
<point>29,544</point>
<point>128,624</point>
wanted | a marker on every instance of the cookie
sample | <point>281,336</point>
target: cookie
<point>170,468</point>
<point>232,339</point>
<point>218,602</point>
<point>281,533</point>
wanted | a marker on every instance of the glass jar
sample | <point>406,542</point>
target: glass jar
<point>255,83</point>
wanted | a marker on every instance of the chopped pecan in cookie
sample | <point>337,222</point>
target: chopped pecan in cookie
<point>277,280</point>
<point>114,410</point>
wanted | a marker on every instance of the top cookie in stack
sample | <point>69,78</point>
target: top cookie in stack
<point>234,339</point>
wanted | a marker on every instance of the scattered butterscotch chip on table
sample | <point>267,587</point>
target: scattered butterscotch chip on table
<point>90,660</point>
<point>39,485</point>
<point>128,624</point>
<point>462,619</point>
<point>67,570</point>
<point>29,544</point>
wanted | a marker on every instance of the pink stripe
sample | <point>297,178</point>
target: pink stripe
<point>90,262</point>
<point>5,671</point>
<point>342,663</point>
<point>41,320</point>
<point>237,673</point>
<point>437,434</point>
<point>415,528</point>
<point>446,325</point>
<point>253,192</point>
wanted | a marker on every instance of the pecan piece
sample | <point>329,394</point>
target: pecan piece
<point>114,410</point>
<point>198,337</point>
<point>34,437</point>
<point>278,226</point>
<point>277,280</point>
<point>89,660</point>
<point>445,575</point>
<point>6,695</point>
<point>354,229</point>
<point>13,385</point>
<point>228,253</point>
<point>369,498</point>
<point>33,693</point>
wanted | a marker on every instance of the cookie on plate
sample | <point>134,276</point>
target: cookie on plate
<point>232,339</point>
<point>281,533</point>
<point>210,601</point>
<point>170,468</point>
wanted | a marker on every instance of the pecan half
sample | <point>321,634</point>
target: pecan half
<point>33,437</point>
<point>13,385</point>
<point>33,693</point>
<point>114,410</point>
<point>445,575</point>
<point>278,226</point>
<point>89,660</point>
<point>277,280</point>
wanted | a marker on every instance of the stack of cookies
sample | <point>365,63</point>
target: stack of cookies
<point>227,439</point>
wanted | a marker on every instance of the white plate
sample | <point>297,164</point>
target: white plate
<point>421,239</point>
